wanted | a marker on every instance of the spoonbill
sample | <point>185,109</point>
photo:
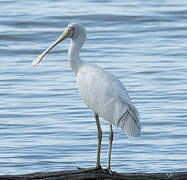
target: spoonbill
<point>102,92</point>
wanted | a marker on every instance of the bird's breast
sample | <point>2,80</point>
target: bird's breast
<point>99,94</point>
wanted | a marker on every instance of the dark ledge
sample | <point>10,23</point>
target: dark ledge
<point>95,175</point>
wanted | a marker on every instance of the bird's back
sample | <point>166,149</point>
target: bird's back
<point>106,96</point>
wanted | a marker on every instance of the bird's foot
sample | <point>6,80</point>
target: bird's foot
<point>90,168</point>
<point>108,170</point>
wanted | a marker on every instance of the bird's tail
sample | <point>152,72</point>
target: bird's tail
<point>129,122</point>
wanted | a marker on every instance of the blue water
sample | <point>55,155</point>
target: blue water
<point>44,124</point>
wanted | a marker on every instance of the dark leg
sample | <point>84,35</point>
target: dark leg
<point>99,135</point>
<point>110,148</point>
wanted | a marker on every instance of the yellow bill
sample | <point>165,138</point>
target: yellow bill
<point>61,38</point>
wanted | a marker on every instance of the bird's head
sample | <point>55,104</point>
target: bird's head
<point>73,31</point>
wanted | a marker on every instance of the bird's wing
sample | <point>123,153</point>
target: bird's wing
<point>129,120</point>
<point>107,96</point>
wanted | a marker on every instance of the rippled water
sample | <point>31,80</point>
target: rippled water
<point>44,124</point>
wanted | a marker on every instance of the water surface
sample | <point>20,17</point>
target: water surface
<point>44,124</point>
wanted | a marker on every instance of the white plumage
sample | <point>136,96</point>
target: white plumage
<point>103,93</point>
<point>106,96</point>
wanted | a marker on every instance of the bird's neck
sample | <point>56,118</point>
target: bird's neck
<point>73,54</point>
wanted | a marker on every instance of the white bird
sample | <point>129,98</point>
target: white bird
<point>103,93</point>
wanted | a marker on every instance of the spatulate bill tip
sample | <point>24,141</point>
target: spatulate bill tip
<point>36,61</point>
<point>34,64</point>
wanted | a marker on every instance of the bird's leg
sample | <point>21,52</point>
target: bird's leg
<point>99,135</point>
<point>110,148</point>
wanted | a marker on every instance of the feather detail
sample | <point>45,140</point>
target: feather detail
<point>129,122</point>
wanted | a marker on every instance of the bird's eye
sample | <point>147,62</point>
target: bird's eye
<point>71,31</point>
